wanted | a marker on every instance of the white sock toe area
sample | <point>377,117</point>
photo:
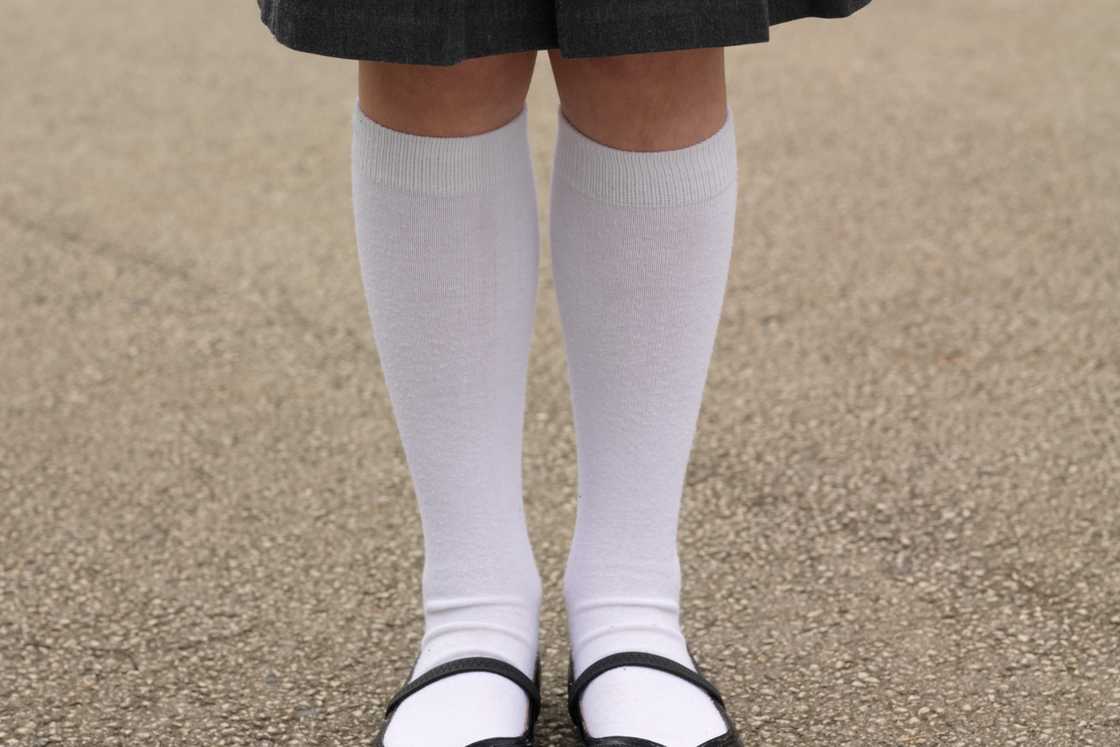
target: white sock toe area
<point>459,710</point>
<point>648,703</point>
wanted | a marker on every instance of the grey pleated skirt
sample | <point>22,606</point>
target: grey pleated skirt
<point>443,32</point>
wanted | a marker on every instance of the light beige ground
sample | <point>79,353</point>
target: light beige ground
<point>903,515</point>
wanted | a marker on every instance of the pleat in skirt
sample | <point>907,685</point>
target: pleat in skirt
<point>444,32</point>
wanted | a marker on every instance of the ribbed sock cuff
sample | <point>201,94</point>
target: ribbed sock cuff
<point>646,178</point>
<point>439,165</point>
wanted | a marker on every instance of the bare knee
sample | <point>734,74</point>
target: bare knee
<point>653,101</point>
<point>471,97</point>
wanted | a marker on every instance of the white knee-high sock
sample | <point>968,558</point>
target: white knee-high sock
<point>641,245</point>
<point>448,246</point>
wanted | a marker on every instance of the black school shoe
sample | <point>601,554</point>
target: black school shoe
<point>643,659</point>
<point>474,664</point>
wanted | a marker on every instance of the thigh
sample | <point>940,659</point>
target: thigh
<point>650,101</point>
<point>468,98</point>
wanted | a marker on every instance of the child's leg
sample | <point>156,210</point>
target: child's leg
<point>641,243</point>
<point>447,238</point>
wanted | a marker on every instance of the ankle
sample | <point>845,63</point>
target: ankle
<point>504,626</point>
<point>608,625</point>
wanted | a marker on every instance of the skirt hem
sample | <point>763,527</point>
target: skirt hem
<point>445,36</point>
